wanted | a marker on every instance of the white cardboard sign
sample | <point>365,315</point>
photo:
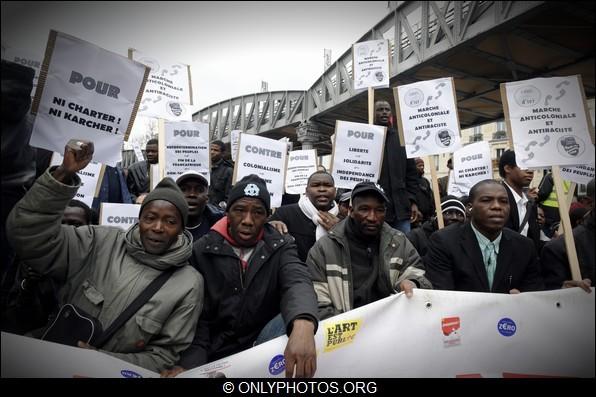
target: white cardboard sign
<point>301,165</point>
<point>89,93</point>
<point>548,121</point>
<point>581,174</point>
<point>186,148</point>
<point>357,153</point>
<point>472,164</point>
<point>266,158</point>
<point>119,215</point>
<point>371,64</point>
<point>427,116</point>
<point>234,140</point>
<point>167,93</point>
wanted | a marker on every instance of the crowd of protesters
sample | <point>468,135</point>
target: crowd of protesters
<point>236,271</point>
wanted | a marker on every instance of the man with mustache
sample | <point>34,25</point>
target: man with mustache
<point>363,259</point>
<point>483,255</point>
<point>252,273</point>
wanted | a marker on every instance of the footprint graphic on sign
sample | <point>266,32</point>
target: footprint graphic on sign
<point>428,99</point>
<point>427,135</point>
<point>533,143</point>
<point>158,99</point>
<point>548,97</point>
<point>145,107</point>
<point>562,92</point>
<point>175,72</point>
<point>439,91</point>
<point>546,139</point>
<point>415,149</point>
<point>379,46</point>
<point>164,71</point>
<point>530,157</point>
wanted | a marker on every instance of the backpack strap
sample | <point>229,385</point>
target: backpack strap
<point>139,301</point>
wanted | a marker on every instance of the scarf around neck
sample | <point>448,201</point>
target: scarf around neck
<point>312,213</point>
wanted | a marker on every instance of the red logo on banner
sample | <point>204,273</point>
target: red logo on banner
<point>450,324</point>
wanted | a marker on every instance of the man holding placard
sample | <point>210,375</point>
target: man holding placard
<point>138,173</point>
<point>102,269</point>
<point>398,174</point>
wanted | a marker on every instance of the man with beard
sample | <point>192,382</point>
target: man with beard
<point>138,173</point>
<point>483,255</point>
<point>201,214</point>
<point>314,215</point>
<point>363,259</point>
<point>252,273</point>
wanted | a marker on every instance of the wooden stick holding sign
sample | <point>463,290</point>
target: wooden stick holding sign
<point>436,195</point>
<point>371,105</point>
<point>567,235</point>
<point>157,171</point>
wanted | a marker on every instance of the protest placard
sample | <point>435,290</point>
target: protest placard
<point>357,153</point>
<point>371,64</point>
<point>548,121</point>
<point>301,165</point>
<point>186,147</point>
<point>471,164</point>
<point>91,177</point>
<point>581,174</point>
<point>427,117</point>
<point>138,152</point>
<point>168,93</point>
<point>119,215</point>
<point>266,158</point>
<point>87,93</point>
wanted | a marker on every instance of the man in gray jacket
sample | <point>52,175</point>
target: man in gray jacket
<point>363,259</point>
<point>102,269</point>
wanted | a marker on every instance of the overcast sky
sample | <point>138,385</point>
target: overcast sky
<point>231,46</point>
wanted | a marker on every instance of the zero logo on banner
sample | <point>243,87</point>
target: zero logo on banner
<point>506,327</point>
<point>277,365</point>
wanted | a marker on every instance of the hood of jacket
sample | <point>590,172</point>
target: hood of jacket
<point>177,255</point>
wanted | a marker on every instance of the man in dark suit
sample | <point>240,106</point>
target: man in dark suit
<point>483,255</point>
<point>523,214</point>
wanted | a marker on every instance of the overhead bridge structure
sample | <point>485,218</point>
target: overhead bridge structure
<point>479,43</point>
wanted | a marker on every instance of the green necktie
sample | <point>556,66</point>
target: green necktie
<point>491,263</point>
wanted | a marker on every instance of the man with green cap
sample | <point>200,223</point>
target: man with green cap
<point>101,270</point>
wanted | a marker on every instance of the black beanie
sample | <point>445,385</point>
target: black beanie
<point>250,186</point>
<point>168,190</point>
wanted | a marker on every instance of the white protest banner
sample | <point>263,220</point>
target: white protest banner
<point>548,119</point>
<point>427,117</point>
<point>91,177</point>
<point>581,174</point>
<point>234,139</point>
<point>186,148</point>
<point>451,333</point>
<point>119,215</point>
<point>25,357</point>
<point>456,334</point>
<point>472,164</point>
<point>86,92</point>
<point>266,158</point>
<point>138,152</point>
<point>168,93</point>
<point>301,165</point>
<point>357,153</point>
<point>24,58</point>
<point>371,64</point>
